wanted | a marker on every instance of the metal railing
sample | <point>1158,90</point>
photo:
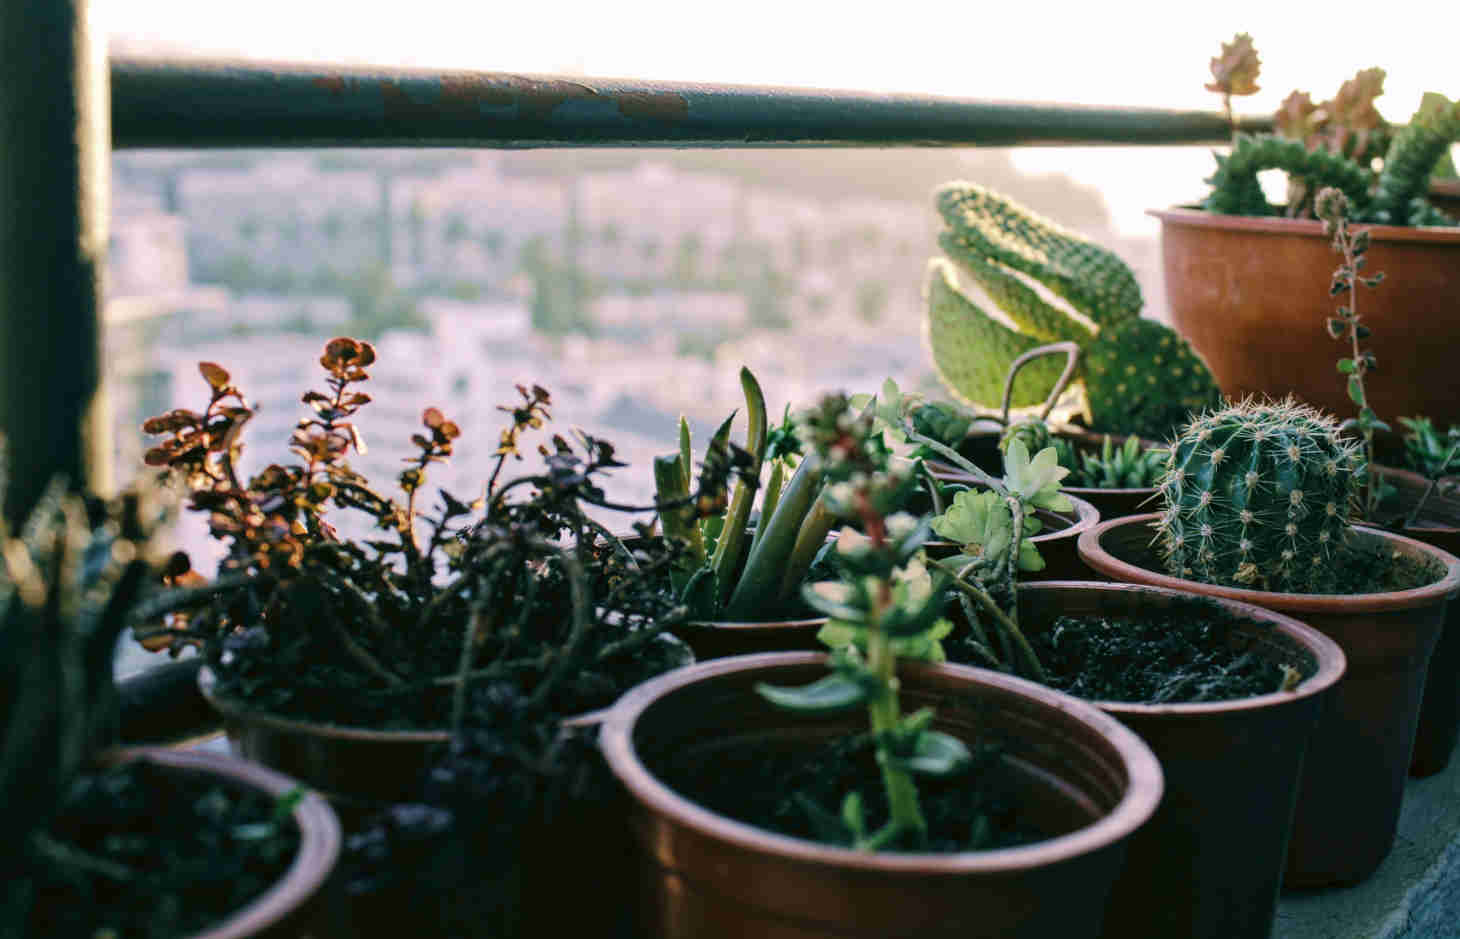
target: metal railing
<point>63,107</point>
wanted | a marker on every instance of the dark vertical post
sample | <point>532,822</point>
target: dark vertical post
<point>55,137</point>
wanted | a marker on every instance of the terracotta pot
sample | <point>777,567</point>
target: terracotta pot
<point>1353,781</point>
<point>715,640</point>
<point>1251,295</point>
<point>1438,525</point>
<point>982,449</point>
<point>707,877</point>
<point>1214,851</point>
<point>356,769</point>
<point>291,905</point>
<point>1056,543</point>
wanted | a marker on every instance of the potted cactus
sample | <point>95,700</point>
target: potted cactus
<point>1256,507</point>
<point>764,808</point>
<point>1242,275</point>
<point>125,842</point>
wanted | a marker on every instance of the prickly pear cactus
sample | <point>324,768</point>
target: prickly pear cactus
<point>1259,496</point>
<point>1147,374</point>
<point>1052,285</point>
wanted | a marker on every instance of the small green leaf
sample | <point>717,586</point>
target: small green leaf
<point>1362,331</point>
<point>1346,366</point>
<point>1356,390</point>
<point>938,754</point>
<point>827,695</point>
<point>1335,327</point>
<point>853,817</point>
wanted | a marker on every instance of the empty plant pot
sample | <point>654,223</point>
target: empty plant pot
<point>1080,776</point>
<point>1353,779</point>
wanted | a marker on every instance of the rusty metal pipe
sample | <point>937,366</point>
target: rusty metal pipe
<point>198,103</point>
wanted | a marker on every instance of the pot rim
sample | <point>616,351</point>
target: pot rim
<point>319,834</point>
<point>1102,561</point>
<point>1143,790</point>
<point>1312,228</point>
<point>948,473</point>
<point>1410,477</point>
<point>770,625</point>
<point>230,709</point>
<point>1331,661</point>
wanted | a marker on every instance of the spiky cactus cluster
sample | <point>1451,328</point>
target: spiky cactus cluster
<point>1259,495</point>
<point>1139,376</point>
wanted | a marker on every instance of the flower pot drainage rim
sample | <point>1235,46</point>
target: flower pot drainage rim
<point>1143,787</point>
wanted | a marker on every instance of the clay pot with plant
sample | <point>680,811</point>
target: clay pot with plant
<point>105,841</point>
<point>344,661</point>
<point>1226,694</point>
<point>1256,509</point>
<point>1421,503</point>
<point>764,806</point>
<point>1243,275</point>
<point>741,582</point>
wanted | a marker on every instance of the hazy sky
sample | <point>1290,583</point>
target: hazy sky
<point>1131,53</point>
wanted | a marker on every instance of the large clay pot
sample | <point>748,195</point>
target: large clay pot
<point>1210,862</point>
<point>1353,781</point>
<point>290,906</point>
<point>1251,294</point>
<point>1438,524</point>
<point>708,877</point>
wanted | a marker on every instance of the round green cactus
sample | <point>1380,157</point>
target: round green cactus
<point>1259,495</point>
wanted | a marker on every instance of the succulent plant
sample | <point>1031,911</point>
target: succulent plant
<point>1332,143</point>
<point>1139,376</point>
<point>1126,467</point>
<point>1032,432</point>
<point>1259,495</point>
<point>68,582</point>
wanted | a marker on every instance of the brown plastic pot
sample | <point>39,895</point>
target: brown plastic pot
<point>357,769</point>
<point>982,449</point>
<point>708,877</point>
<point>1438,525</point>
<point>1209,864</point>
<point>290,906</point>
<point>1250,295</point>
<point>1353,781</point>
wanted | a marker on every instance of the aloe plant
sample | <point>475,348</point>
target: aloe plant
<point>721,578</point>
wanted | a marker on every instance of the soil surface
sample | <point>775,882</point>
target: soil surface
<point>1192,652</point>
<point>143,852</point>
<point>799,793</point>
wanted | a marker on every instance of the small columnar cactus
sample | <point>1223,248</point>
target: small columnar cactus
<point>1259,495</point>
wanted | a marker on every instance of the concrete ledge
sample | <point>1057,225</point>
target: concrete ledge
<point>1415,893</point>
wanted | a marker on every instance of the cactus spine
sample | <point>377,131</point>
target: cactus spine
<point>1259,495</point>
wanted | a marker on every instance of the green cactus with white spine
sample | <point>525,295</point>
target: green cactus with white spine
<point>1259,495</point>
<point>1139,376</point>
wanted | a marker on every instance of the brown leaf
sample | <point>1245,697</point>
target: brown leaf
<point>1235,70</point>
<point>432,418</point>
<point>214,374</point>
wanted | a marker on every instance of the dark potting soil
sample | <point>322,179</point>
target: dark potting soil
<point>800,792</point>
<point>1377,568</point>
<point>1194,651</point>
<point>145,852</point>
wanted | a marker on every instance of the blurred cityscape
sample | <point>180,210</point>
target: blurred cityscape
<point>632,285</point>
